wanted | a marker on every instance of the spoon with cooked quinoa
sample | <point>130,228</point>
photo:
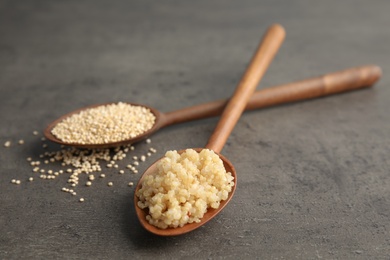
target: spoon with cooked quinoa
<point>118,124</point>
<point>185,189</point>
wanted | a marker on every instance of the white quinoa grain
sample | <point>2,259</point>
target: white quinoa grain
<point>184,187</point>
<point>148,141</point>
<point>105,124</point>
<point>110,183</point>
<point>131,183</point>
<point>35,133</point>
<point>81,199</point>
<point>21,141</point>
<point>17,182</point>
<point>88,183</point>
<point>31,179</point>
<point>7,144</point>
<point>102,175</point>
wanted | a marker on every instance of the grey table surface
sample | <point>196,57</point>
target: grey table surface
<point>313,177</point>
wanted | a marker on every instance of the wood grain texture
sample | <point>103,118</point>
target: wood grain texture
<point>255,71</point>
<point>329,84</point>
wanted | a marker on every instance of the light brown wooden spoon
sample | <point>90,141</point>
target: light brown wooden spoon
<point>329,84</point>
<point>232,112</point>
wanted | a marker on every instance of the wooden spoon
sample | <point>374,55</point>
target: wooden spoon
<point>329,84</point>
<point>236,105</point>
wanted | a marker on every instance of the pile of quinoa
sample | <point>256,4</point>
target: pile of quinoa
<point>105,124</point>
<point>83,167</point>
<point>184,187</point>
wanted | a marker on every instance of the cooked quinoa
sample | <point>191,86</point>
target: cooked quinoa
<point>105,124</point>
<point>184,187</point>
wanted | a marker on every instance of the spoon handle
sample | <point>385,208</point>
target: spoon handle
<point>325,85</point>
<point>262,58</point>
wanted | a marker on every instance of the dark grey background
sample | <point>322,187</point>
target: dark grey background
<point>313,177</point>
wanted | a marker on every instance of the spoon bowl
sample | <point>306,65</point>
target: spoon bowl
<point>157,125</point>
<point>211,213</point>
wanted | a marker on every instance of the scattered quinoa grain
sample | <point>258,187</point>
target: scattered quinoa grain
<point>148,141</point>
<point>80,161</point>
<point>13,181</point>
<point>21,141</point>
<point>81,199</point>
<point>7,144</point>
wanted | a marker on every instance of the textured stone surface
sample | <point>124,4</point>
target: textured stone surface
<point>314,176</point>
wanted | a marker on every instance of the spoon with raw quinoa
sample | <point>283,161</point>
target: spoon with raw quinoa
<point>185,189</point>
<point>116,124</point>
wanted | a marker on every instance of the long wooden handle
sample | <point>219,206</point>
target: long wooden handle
<point>266,51</point>
<point>337,82</point>
<point>329,84</point>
